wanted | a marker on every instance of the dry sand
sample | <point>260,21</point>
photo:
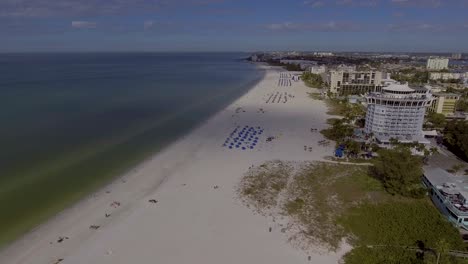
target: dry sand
<point>197,217</point>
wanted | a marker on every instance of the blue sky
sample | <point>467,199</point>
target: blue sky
<point>234,25</point>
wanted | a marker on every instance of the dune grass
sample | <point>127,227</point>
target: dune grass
<point>262,185</point>
<point>315,96</point>
<point>329,202</point>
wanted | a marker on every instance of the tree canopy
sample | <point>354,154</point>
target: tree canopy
<point>338,131</point>
<point>312,80</point>
<point>399,171</point>
<point>456,137</point>
<point>438,120</point>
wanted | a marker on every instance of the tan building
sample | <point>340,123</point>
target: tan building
<point>444,103</point>
<point>354,82</point>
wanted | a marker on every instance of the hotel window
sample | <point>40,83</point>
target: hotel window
<point>452,214</point>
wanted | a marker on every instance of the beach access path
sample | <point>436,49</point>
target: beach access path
<point>181,206</point>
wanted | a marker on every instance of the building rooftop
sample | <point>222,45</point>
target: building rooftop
<point>395,87</point>
<point>453,188</point>
<point>385,138</point>
<point>445,94</point>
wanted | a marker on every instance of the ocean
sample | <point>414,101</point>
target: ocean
<point>71,122</point>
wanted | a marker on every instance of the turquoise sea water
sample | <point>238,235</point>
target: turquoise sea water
<point>69,123</point>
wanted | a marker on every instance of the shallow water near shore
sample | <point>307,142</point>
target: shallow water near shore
<point>69,123</point>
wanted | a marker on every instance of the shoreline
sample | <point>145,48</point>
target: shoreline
<point>196,215</point>
<point>126,173</point>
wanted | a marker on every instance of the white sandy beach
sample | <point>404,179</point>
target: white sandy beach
<point>192,221</point>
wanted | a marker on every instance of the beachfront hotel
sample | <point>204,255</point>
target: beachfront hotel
<point>397,112</point>
<point>354,82</point>
<point>449,193</point>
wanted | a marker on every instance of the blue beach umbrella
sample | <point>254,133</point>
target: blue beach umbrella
<point>230,147</point>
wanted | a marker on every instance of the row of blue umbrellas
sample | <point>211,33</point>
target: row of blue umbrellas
<point>243,138</point>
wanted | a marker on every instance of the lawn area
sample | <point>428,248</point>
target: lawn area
<point>399,223</point>
<point>329,203</point>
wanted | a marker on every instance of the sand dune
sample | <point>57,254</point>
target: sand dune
<point>195,216</point>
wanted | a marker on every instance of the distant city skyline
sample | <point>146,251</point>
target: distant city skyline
<point>229,25</point>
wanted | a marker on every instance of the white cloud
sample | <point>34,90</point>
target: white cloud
<point>282,26</point>
<point>314,27</point>
<point>148,24</point>
<point>314,4</point>
<point>363,3</point>
<point>418,3</point>
<point>83,24</point>
<point>416,27</point>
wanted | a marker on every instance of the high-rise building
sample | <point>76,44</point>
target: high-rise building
<point>355,82</point>
<point>435,63</point>
<point>318,69</point>
<point>444,103</point>
<point>456,56</point>
<point>397,112</point>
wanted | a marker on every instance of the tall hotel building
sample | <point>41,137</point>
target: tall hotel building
<point>397,112</point>
<point>434,63</point>
<point>354,82</point>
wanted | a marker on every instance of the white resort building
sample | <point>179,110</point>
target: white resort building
<point>397,112</point>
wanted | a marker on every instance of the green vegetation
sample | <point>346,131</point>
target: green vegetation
<point>315,96</point>
<point>336,107</point>
<point>312,80</point>
<point>289,67</point>
<point>437,120</point>
<point>456,137</point>
<point>462,104</point>
<point>354,112</point>
<point>338,131</point>
<point>320,192</point>
<point>329,202</point>
<point>399,171</point>
<point>341,130</point>
<point>397,224</point>
<point>262,185</point>
<point>351,112</point>
<point>314,195</point>
<point>411,75</point>
<point>292,67</point>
